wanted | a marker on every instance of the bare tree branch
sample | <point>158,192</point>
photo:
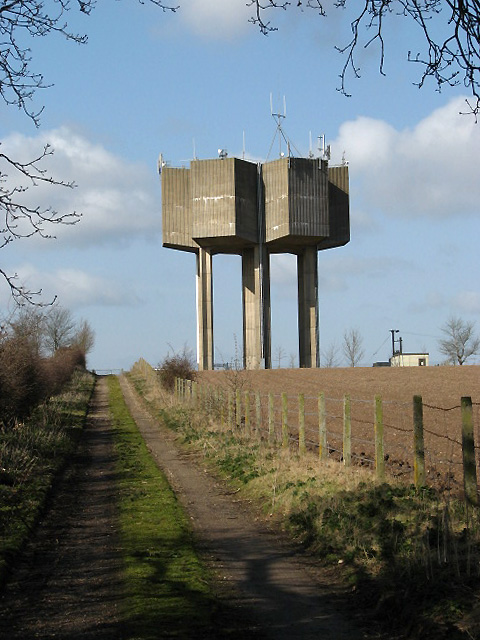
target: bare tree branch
<point>21,20</point>
<point>449,30</point>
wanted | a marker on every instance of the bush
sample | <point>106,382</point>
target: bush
<point>60,367</point>
<point>26,379</point>
<point>178,365</point>
<point>21,379</point>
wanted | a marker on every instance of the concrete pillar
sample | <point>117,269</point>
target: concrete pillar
<point>256,308</point>
<point>307,274</point>
<point>204,310</point>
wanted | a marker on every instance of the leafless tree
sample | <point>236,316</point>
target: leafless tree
<point>84,337</point>
<point>449,35</point>
<point>352,347</point>
<point>280,354</point>
<point>330,356</point>
<point>59,329</point>
<point>27,323</point>
<point>460,342</point>
<point>21,21</point>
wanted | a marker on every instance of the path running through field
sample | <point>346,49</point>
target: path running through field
<point>67,584</point>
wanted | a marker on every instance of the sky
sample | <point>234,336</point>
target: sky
<point>191,82</point>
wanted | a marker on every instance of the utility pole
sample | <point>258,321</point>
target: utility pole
<point>393,332</point>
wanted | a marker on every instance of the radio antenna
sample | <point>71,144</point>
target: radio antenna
<point>278,117</point>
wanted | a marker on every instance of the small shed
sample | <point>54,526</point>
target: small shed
<point>409,360</point>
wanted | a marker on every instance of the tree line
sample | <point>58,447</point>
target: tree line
<point>459,343</point>
<point>39,351</point>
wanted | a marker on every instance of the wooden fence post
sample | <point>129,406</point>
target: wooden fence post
<point>284,420</point>
<point>418,443</point>
<point>379,448</point>
<point>347,431</point>
<point>301,424</point>
<point>468,450</point>
<point>195,392</point>
<point>247,411</point>
<point>271,418</point>
<point>322,428</point>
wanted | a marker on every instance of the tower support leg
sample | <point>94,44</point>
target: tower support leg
<point>256,308</point>
<point>204,310</point>
<point>307,274</point>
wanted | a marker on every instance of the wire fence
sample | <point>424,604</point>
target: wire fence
<point>419,443</point>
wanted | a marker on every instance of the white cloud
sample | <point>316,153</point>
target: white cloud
<point>75,288</point>
<point>430,170</point>
<point>218,19</point>
<point>117,199</point>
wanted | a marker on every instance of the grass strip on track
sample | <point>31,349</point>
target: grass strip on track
<point>167,592</point>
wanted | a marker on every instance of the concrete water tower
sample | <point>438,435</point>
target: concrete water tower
<point>230,205</point>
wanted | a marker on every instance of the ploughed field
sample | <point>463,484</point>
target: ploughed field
<point>441,389</point>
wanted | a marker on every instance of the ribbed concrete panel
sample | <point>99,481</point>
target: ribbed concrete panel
<point>275,183</point>
<point>338,207</point>
<point>177,209</point>
<point>296,202</point>
<point>224,201</point>
<point>308,197</point>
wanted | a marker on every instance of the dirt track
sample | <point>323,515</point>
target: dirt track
<point>67,583</point>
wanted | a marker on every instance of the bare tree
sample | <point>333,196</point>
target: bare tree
<point>20,21</point>
<point>352,347</point>
<point>460,342</point>
<point>280,354</point>
<point>59,329</point>
<point>84,337</point>
<point>330,356</point>
<point>28,324</point>
<point>448,29</point>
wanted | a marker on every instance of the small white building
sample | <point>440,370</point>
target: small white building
<point>409,360</point>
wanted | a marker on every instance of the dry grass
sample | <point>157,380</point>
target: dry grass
<point>412,556</point>
<point>441,389</point>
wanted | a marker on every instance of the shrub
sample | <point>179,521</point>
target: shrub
<point>26,378</point>
<point>178,365</point>
<point>21,379</point>
<point>59,369</point>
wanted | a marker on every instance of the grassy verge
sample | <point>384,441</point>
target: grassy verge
<point>411,558</point>
<point>167,592</point>
<point>32,454</point>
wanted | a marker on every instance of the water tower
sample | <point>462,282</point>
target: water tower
<point>230,205</point>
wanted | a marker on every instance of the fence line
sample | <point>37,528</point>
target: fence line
<point>410,440</point>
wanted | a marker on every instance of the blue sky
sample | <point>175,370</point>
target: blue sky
<point>201,78</point>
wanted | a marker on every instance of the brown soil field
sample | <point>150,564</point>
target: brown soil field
<point>441,389</point>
